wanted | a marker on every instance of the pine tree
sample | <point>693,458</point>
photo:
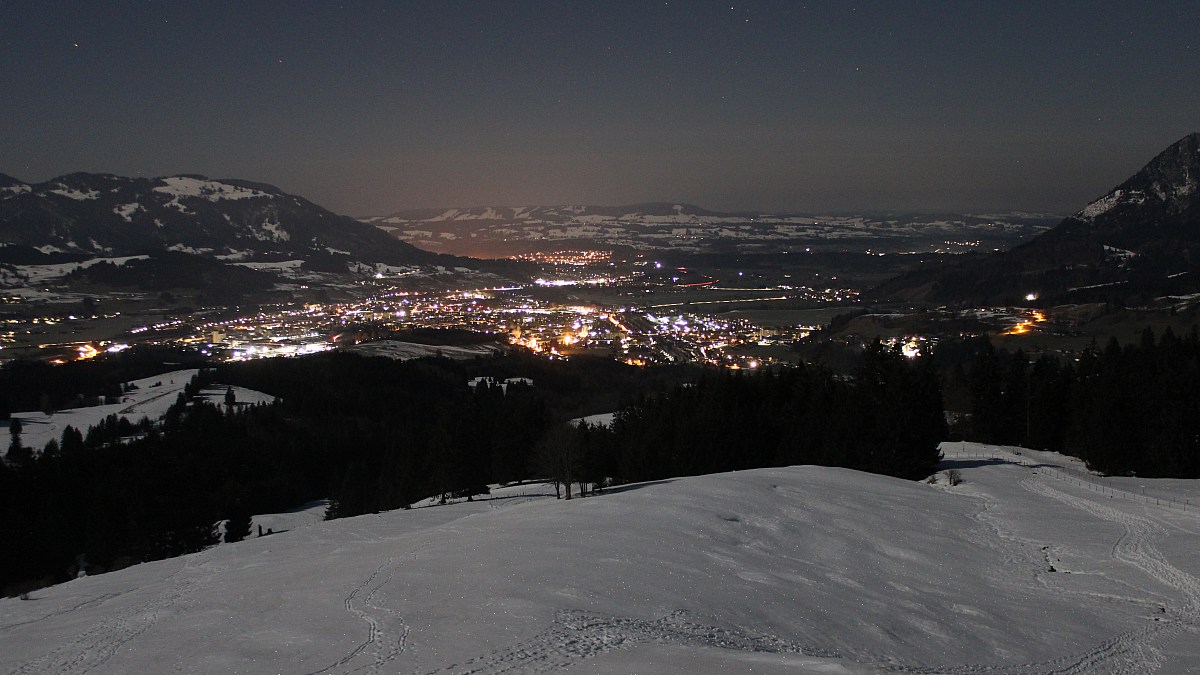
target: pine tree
<point>72,440</point>
<point>987,422</point>
<point>17,452</point>
<point>238,526</point>
<point>1015,410</point>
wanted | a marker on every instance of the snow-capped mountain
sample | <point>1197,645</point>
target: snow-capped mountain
<point>1156,205</point>
<point>1139,241</point>
<point>102,214</point>
<point>496,231</point>
<point>664,211</point>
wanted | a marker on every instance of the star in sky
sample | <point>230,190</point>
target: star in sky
<point>370,107</point>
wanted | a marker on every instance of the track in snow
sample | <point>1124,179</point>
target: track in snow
<point>576,636</point>
<point>1132,652</point>
<point>67,610</point>
<point>97,645</point>
<point>387,634</point>
<point>1135,547</point>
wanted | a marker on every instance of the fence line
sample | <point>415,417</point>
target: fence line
<point>1065,474</point>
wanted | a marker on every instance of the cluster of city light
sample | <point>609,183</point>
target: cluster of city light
<point>158,326</point>
<point>1028,324</point>
<point>568,257</point>
<point>911,346</point>
<point>594,281</point>
<point>88,350</point>
<point>542,326</point>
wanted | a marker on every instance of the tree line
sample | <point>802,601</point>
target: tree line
<point>36,385</point>
<point>887,419</point>
<point>1130,409</point>
<point>372,434</point>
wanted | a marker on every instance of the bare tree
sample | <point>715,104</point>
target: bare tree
<point>559,456</point>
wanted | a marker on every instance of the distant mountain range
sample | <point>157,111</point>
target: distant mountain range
<point>1136,243</point>
<point>498,231</point>
<point>105,215</point>
<point>663,210</point>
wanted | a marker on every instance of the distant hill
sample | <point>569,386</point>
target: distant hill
<point>489,231</point>
<point>101,214</point>
<point>666,210</point>
<point>1139,241</point>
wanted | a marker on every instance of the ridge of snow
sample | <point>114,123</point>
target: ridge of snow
<point>280,265</point>
<point>271,230</point>
<point>1109,202</point>
<point>213,191</point>
<point>126,211</point>
<point>14,190</point>
<point>184,248</point>
<point>1120,253</point>
<point>447,215</point>
<point>72,193</point>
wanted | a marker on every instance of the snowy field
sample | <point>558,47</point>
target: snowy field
<point>1021,568</point>
<point>406,351</point>
<point>35,275</point>
<point>599,420</point>
<point>151,398</point>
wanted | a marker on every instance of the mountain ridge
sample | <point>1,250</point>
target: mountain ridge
<point>105,214</point>
<point>549,211</point>
<point>1138,241</point>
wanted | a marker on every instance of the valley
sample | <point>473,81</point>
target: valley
<point>263,292</point>
<point>482,338</point>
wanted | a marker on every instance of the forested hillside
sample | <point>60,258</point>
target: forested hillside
<point>1124,409</point>
<point>372,434</point>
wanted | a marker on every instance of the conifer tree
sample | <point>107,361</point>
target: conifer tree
<point>14,430</point>
<point>238,526</point>
<point>17,452</point>
<point>72,440</point>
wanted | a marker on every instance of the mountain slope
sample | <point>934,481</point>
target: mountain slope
<point>780,570</point>
<point>111,215</point>
<point>1140,240</point>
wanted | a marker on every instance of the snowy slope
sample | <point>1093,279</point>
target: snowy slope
<point>103,214</point>
<point>805,569</point>
<point>406,351</point>
<point>151,398</point>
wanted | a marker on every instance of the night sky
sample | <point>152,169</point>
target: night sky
<point>373,107</point>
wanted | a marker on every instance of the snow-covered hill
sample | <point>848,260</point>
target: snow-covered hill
<point>148,397</point>
<point>84,214</point>
<point>404,351</point>
<point>1019,569</point>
